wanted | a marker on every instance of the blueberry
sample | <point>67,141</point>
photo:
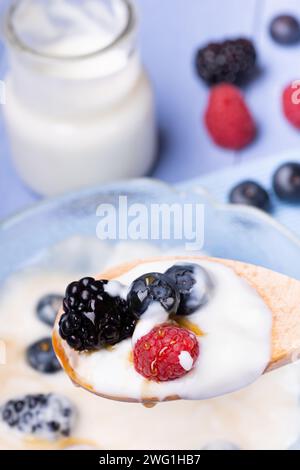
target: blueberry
<point>193,284</point>
<point>152,287</point>
<point>41,357</point>
<point>286,182</point>
<point>285,29</point>
<point>48,307</point>
<point>250,193</point>
<point>49,416</point>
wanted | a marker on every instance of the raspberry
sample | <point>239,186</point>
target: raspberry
<point>229,61</point>
<point>166,353</point>
<point>228,119</point>
<point>291,105</point>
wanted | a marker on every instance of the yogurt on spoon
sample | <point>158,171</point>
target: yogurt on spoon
<point>220,342</point>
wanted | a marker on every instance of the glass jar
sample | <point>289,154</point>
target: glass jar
<point>77,114</point>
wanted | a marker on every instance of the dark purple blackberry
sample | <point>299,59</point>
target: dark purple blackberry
<point>229,61</point>
<point>92,318</point>
<point>153,287</point>
<point>48,416</point>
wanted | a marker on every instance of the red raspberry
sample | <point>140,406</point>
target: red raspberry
<point>291,104</point>
<point>228,119</point>
<point>157,354</point>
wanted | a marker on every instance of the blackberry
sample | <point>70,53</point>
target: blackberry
<point>229,61</point>
<point>45,416</point>
<point>41,357</point>
<point>92,317</point>
<point>153,287</point>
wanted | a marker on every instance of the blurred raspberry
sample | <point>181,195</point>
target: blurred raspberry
<point>291,103</point>
<point>228,119</point>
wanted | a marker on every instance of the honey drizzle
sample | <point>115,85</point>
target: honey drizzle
<point>185,323</point>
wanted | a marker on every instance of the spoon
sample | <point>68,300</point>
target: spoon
<point>280,293</point>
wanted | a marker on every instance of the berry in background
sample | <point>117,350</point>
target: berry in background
<point>41,357</point>
<point>250,193</point>
<point>229,61</point>
<point>285,30</point>
<point>49,417</point>
<point>286,182</point>
<point>48,308</point>
<point>291,104</point>
<point>228,119</point>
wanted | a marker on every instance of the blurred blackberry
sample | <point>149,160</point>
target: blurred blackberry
<point>48,416</point>
<point>229,61</point>
<point>92,318</point>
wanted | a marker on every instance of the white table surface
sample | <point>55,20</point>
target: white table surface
<point>171,31</point>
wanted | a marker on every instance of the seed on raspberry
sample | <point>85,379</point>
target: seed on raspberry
<point>167,352</point>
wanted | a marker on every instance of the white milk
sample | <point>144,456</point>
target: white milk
<point>79,105</point>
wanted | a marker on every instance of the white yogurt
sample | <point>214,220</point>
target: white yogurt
<point>234,351</point>
<point>154,315</point>
<point>79,105</point>
<point>69,27</point>
<point>186,360</point>
<point>265,415</point>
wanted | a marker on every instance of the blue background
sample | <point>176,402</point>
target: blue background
<point>170,32</point>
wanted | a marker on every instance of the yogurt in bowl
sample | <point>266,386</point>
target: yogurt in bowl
<point>264,415</point>
<point>231,332</point>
